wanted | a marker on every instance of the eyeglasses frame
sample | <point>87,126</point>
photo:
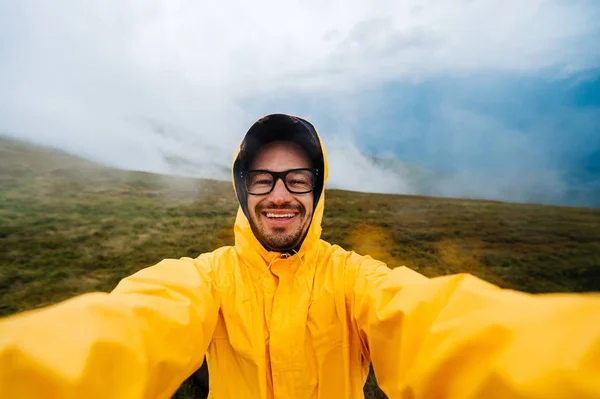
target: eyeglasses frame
<point>280,175</point>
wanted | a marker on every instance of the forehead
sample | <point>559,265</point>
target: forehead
<point>280,155</point>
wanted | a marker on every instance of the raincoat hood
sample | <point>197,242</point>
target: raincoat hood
<point>278,127</point>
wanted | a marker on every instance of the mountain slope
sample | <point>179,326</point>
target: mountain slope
<point>56,206</point>
<point>68,226</point>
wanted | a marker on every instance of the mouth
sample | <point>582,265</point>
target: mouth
<point>279,218</point>
<point>271,215</point>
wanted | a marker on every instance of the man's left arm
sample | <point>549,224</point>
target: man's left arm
<point>460,337</point>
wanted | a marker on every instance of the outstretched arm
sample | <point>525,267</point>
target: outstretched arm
<point>460,337</point>
<point>140,341</point>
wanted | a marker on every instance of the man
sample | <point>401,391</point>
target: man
<point>285,314</point>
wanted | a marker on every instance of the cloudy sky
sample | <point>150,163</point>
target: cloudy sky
<point>494,99</point>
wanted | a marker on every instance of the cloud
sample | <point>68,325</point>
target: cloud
<point>364,173</point>
<point>171,86</point>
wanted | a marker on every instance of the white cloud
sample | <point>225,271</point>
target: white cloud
<point>350,169</point>
<point>87,76</point>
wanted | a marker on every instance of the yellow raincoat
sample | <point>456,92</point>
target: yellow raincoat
<point>308,328</point>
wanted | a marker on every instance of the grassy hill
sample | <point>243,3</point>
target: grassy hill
<point>69,226</point>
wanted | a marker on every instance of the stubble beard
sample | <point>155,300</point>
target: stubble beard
<point>278,238</point>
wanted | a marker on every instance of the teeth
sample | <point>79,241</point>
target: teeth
<point>276,215</point>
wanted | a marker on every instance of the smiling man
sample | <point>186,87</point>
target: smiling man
<point>285,314</point>
<point>280,203</point>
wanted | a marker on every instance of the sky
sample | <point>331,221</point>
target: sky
<point>494,100</point>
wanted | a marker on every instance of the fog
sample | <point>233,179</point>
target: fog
<point>172,86</point>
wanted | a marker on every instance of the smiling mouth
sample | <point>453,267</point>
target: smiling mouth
<point>272,215</point>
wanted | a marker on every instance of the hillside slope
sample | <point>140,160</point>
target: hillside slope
<point>68,226</point>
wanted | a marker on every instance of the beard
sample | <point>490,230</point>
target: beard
<point>279,238</point>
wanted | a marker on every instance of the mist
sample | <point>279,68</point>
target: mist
<point>172,86</point>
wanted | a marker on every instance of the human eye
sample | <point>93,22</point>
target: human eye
<point>300,180</point>
<point>260,178</point>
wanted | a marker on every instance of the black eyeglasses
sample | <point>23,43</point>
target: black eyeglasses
<point>297,181</point>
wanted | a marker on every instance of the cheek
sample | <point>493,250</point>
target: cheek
<point>251,205</point>
<point>307,203</point>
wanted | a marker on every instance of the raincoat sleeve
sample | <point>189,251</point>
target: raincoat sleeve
<point>140,341</point>
<point>460,337</point>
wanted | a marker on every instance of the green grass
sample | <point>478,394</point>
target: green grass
<point>68,226</point>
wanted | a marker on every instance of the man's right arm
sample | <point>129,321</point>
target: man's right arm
<point>140,341</point>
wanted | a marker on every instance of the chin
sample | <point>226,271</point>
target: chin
<point>278,238</point>
<point>281,244</point>
<point>278,246</point>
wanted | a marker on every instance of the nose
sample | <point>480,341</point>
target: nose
<point>280,193</point>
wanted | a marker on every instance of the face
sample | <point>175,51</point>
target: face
<point>280,219</point>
